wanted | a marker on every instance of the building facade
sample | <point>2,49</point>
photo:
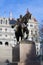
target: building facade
<point>6,32</point>
<point>32,26</point>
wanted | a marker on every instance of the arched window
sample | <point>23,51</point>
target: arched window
<point>12,26</point>
<point>6,43</point>
<point>0,43</point>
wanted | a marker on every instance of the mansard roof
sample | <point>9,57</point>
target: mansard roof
<point>12,21</point>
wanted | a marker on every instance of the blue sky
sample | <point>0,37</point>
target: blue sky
<point>19,7</point>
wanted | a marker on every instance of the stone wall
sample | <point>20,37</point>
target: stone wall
<point>5,54</point>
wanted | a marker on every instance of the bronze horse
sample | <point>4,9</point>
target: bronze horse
<point>22,26</point>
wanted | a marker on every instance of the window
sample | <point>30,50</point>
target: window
<point>31,32</point>
<point>0,35</point>
<point>6,35</point>
<point>0,43</point>
<point>37,52</point>
<point>1,21</point>
<point>37,47</point>
<point>32,38</point>
<point>36,40</point>
<point>6,43</point>
<point>31,25</point>
<point>6,21</point>
<point>36,32</point>
<point>0,29</point>
<point>6,29</point>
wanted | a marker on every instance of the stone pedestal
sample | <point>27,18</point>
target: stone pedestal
<point>25,54</point>
<point>27,51</point>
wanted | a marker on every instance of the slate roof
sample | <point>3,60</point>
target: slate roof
<point>13,21</point>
